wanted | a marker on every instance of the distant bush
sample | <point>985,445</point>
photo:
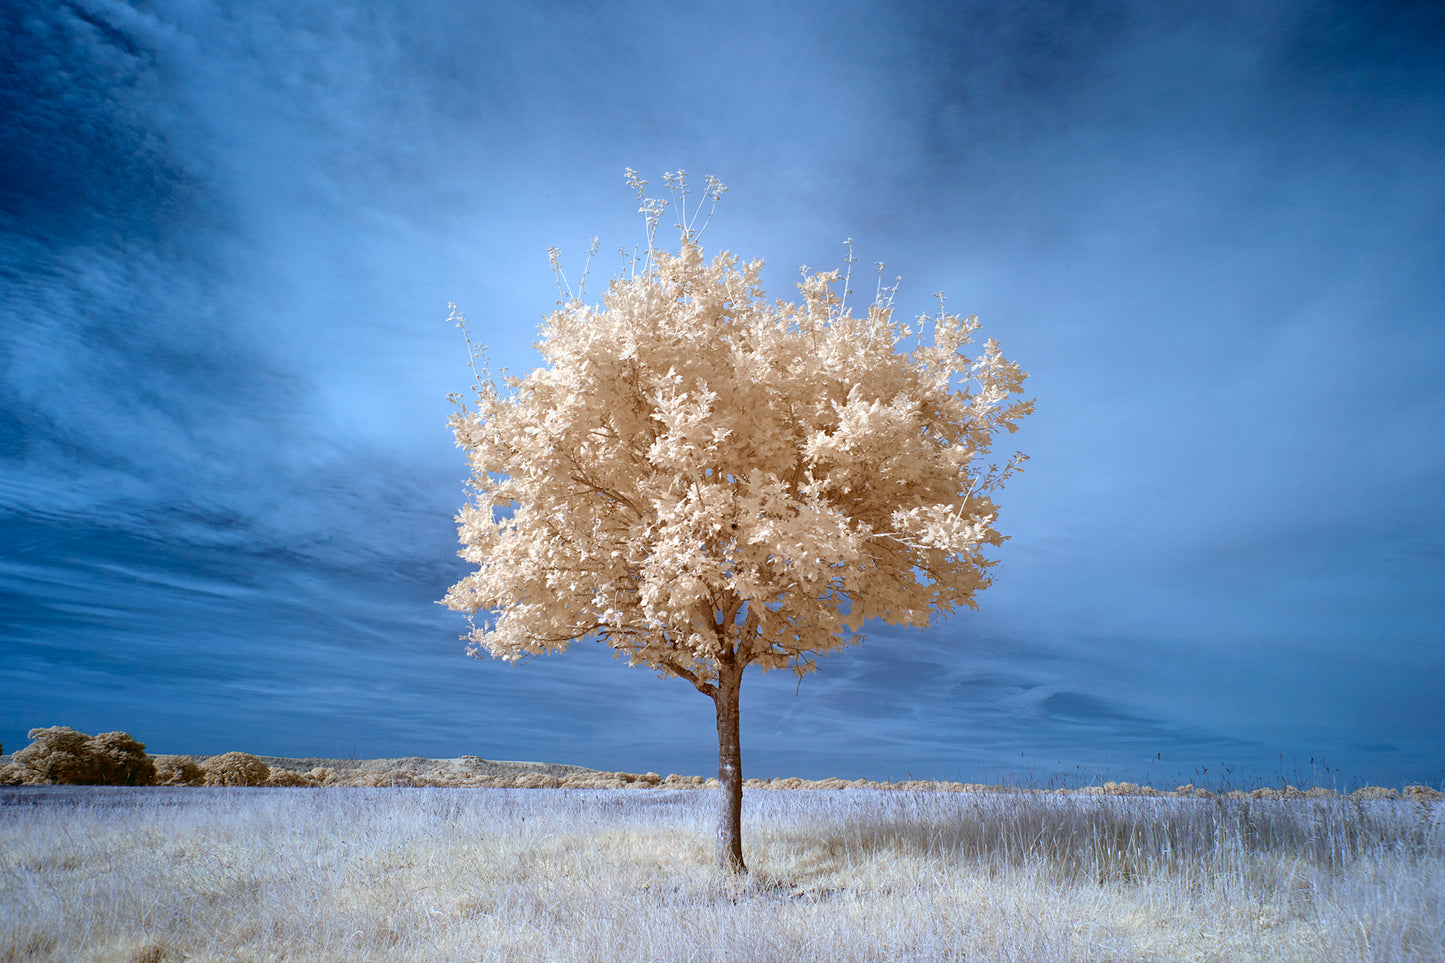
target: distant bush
<point>675,781</point>
<point>121,760</point>
<point>390,779</point>
<point>536,780</point>
<point>289,777</point>
<point>62,756</point>
<point>57,754</point>
<point>235,769</point>
<point>178,771</point>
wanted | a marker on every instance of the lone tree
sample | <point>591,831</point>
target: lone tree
<point>706,481</point>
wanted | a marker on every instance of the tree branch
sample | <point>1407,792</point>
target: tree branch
<point>747,636</point>
<point>706,688</point>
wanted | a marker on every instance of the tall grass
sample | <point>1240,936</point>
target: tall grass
<point>145,876</point>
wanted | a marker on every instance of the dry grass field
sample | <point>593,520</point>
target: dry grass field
<point>145,875</point>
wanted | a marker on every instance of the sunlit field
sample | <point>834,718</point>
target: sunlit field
<point>428,874</point>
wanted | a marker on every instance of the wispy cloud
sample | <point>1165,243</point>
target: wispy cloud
<point>228,237</point>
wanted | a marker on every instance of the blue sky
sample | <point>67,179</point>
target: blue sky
<point>1213,234</point>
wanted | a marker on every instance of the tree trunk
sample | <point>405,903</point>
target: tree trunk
<point>729,771</point>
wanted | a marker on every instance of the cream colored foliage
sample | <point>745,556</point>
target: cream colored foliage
<point>695,470</point>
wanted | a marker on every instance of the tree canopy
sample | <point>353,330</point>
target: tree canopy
<point>704,479</point>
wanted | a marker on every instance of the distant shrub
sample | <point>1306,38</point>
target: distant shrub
<point>122,761</point>
<point>676,781</point>
<point>607,780</point>
<point>634,779</point>
<point>236,769</point>
<point>536,780</point>
<point>60,755</point>
<point>178,771</point>
<point>57,754</point>
<point>289,777</point>
<point>577,780</point>
<point>393,779</point>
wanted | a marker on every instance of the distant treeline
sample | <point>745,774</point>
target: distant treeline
<point>59,755</point>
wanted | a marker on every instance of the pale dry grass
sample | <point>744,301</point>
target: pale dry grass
<point>149,875</point>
